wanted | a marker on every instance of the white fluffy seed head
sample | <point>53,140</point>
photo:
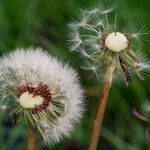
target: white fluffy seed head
<point>116,42</point>
<point>29,101</point>
<point>34,66</point>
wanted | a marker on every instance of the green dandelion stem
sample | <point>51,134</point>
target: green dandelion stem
<point>101,108</point>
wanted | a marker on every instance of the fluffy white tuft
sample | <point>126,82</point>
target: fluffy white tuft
<point>31,67</point>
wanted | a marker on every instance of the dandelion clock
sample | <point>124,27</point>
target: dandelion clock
<point>42,91</point>
<point>106,47</point>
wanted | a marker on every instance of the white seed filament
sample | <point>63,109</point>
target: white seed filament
<point>27,100</point>
<point>116,42</point>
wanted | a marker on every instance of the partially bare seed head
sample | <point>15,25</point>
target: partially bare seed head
<point>116,41</point>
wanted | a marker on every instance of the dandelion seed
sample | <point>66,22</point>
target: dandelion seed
<point>42,91</point>
<point>143,66</point>
<point>3,108</point>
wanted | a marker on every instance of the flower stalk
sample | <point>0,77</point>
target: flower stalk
<point>101,109</point>
<point>31,139</point>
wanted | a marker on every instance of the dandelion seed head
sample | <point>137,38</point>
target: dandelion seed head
<point>44,90</point>
<point>101,41</point>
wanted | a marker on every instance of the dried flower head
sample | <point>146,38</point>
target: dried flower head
<point>102,44</point>
<point>39,89</point>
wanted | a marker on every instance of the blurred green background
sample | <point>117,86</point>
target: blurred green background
<point>43,23</point>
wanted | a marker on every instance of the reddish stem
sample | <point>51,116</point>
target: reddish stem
<point>31,139</point>
<point>101,109</point>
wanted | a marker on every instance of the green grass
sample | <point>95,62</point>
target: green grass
<point>44,24</point>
